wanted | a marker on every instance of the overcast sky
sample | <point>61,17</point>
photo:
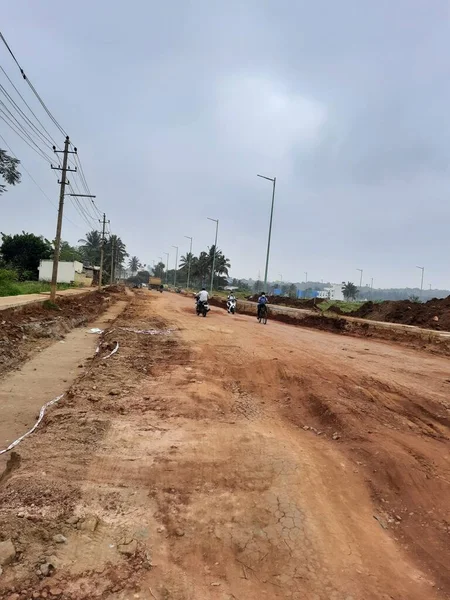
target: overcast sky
<point>176,106</point>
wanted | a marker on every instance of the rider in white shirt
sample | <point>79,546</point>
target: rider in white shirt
<point>202,296</point>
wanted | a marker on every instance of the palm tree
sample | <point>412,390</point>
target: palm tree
<point>349,290</point>
<point>90,247</point>
<point>134,264</point>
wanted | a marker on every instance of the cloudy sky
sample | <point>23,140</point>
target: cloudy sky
<point>176,106</point>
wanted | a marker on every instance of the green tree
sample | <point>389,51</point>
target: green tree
<point>8,170</point>
<point>258,287</point>
<point>159,270</point>
<point>114,249</point>
<point>69,253</point>
<point>91,247</point>
<point>134,264</point>
<point>292,291</point>
<point>23,252</point>
<point>350,290</point>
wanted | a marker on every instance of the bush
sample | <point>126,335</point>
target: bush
<point>8,275</point>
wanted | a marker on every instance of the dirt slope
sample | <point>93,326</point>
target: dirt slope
<point>434,314</point>
<point>220,459</point>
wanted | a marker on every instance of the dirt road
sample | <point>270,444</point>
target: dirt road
<point>220,459</point>
<point>12,301</point>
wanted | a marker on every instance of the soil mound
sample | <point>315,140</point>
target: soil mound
<point>434,314</point>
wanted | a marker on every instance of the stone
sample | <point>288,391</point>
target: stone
<point>114,392</point>
<point>179,532</point>
<point>7,552</point>
<point>55,591</point>
<point>128,549</point>
<point>336,436</point>
<point>14,597</point>
<point>72,520</point>
<point>1,571</point>
<point>89,524</point>
<point>45,569</point>
<point>59,538</point>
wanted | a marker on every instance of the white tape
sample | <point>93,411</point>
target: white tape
<point>113,352</point>
<point>148,331</point>
<point>41,416</point>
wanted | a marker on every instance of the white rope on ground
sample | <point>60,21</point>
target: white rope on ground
<point>113,352</point>
<point>44,409</point>
<point>41,416</point>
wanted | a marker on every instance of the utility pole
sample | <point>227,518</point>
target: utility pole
<point>176,267</point>
<point>189,263</point>
<point>274,181</point>
<point>421,281</point>
<point>216,221</point>
<point>102,249</point>
<point>111,279</point>
<point>360,279</point>
<point>62,188</point>
<point>167,266</point>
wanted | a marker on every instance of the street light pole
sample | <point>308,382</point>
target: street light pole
<point>360,279</point>
<point>176,267</point>
<point>421,280</point>
<point>306,276</point>
<point>274,181</point>
<point>189,263</point>
<point>216,221</point>
<point>167,266</point>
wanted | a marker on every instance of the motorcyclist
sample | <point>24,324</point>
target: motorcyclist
<point>231,299</point>
<point>202,296</point>
<point>262,301</point>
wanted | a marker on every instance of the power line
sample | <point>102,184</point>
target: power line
<point>23,168</point>
<point>39,151</point>
<point>28,106</point>
<point>21,127</point>
<point>33,88</point>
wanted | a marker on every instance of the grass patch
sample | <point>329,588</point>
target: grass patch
<point>345,306</point>
<point>17,288</point>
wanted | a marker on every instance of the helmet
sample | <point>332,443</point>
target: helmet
<point>203,289</point>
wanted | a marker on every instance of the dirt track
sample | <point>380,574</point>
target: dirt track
<point>200,464</point>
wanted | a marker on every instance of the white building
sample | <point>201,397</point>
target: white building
<point>334,292</point>
<point>68,272</point>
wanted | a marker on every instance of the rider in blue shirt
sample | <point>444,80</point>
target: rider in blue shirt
<point>262,301</point>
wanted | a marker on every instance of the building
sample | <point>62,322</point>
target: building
<point>68,272</point>
<point>334,292</point>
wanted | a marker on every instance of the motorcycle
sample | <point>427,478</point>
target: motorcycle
<point>231,306</point>
<point>202,308</point>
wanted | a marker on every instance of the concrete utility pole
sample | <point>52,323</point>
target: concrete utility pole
<point>167,266</point>
<point>189,263</point>
<point>421,281</point>
<point>216,221</point>
<point>176,267</point>
<point>274,181</point>
<point>111,278</point>
<point>62,188</point>
<point>102,249</point>
<point>360,279</point>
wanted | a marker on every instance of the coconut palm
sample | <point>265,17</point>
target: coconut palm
<point>134,264</point>
<point>91,246</point>
<point>349,290</point>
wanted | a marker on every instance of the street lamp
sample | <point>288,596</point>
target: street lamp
<point>216,221</point>
<point>306,276</point>
<point>189,263</point>
<point>167,266</point>
<point>421,281</point>
<point>360,279</point>
<point>273,180</point>
<point>176,267</point>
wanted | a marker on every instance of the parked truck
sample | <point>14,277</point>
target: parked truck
<point>154,283</point>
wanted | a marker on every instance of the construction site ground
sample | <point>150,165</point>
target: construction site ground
<point>221,459</point>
